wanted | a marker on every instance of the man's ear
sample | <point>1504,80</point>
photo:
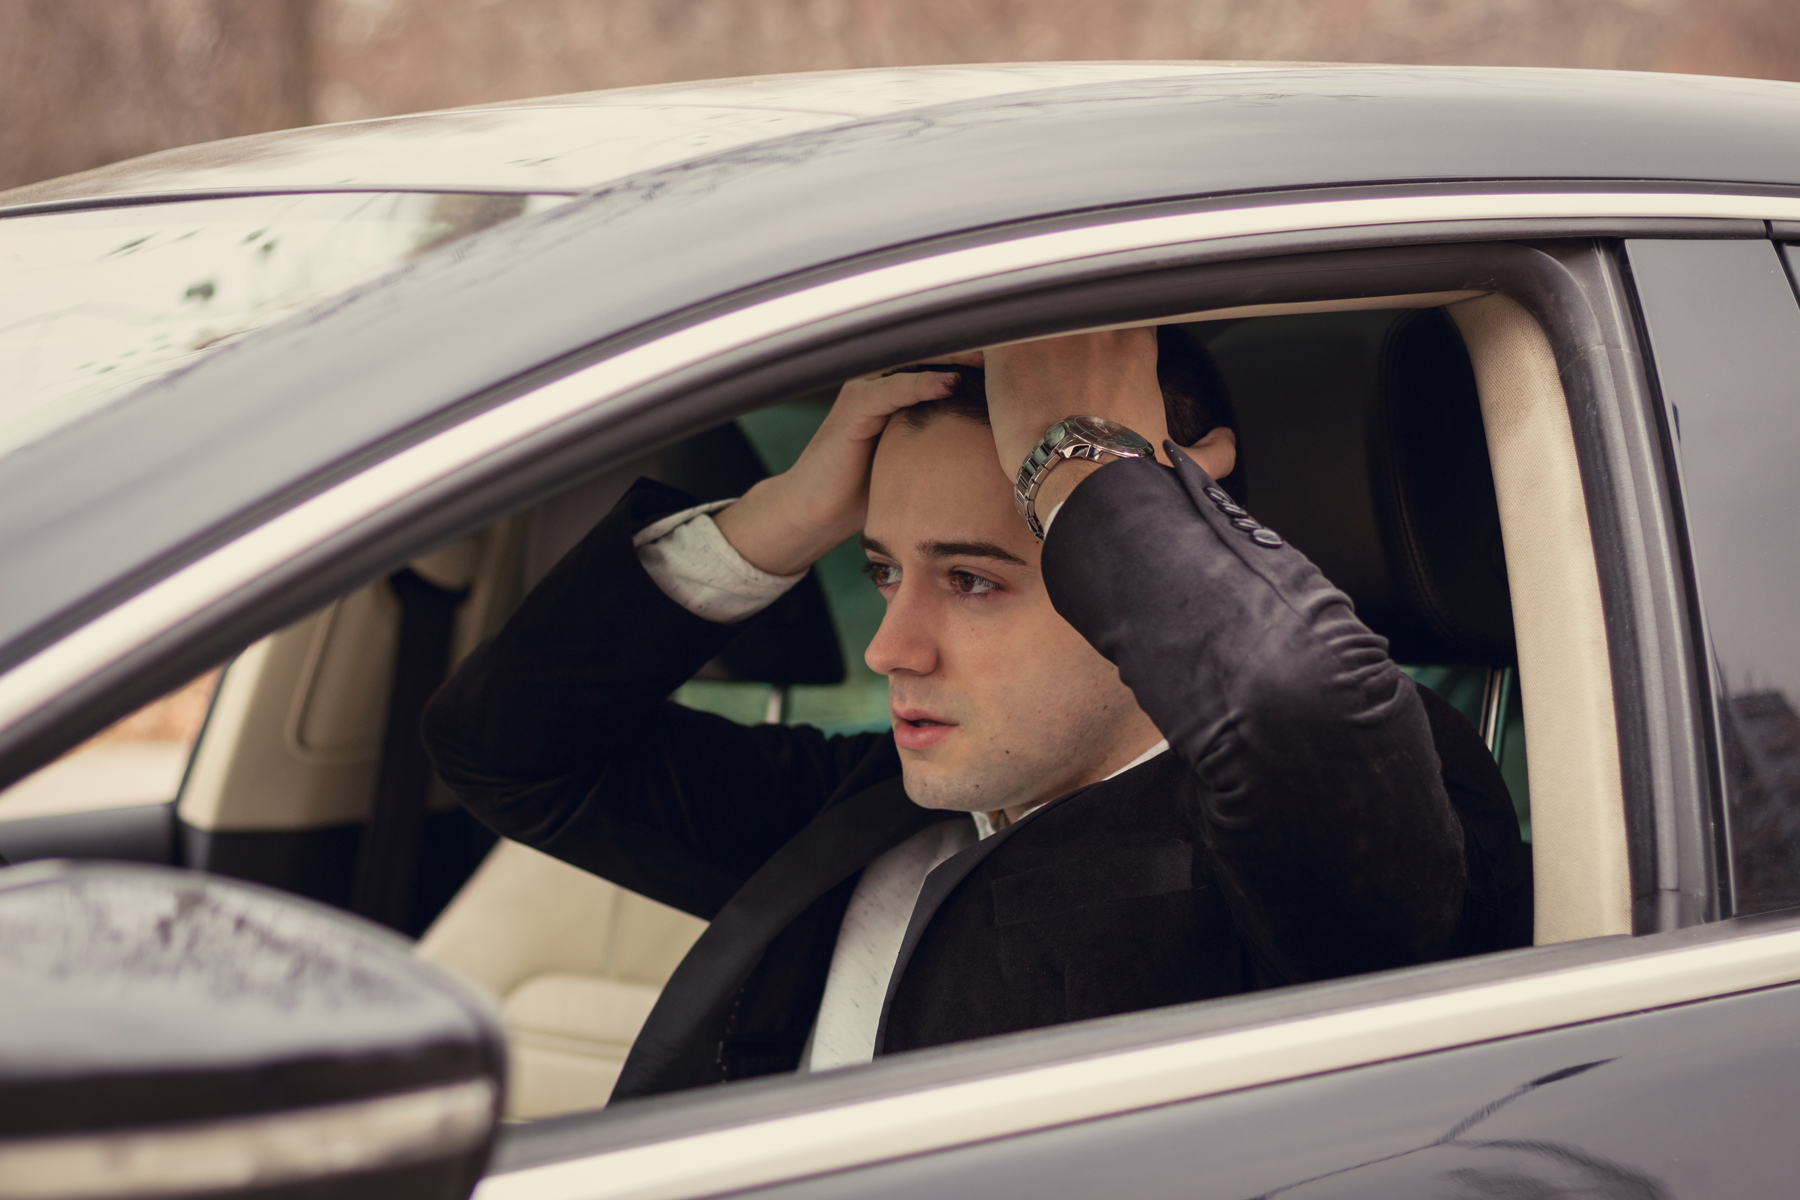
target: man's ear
<point>1216,452</point>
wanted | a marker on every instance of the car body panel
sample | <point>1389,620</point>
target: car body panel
<point>1346,1043</point>
<point>1682,1103</point>
<point>100,301</point>
<point>257,419</point>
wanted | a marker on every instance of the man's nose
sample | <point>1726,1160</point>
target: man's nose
<point>905,642</point>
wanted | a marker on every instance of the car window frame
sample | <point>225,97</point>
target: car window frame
<point>549,432</point>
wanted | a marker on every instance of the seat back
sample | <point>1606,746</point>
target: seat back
<point>1364,448</point>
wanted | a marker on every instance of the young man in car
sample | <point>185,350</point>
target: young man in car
<point>1151,758</point>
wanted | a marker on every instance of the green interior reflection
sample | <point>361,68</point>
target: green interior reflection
<point>858,704</point>
<point>1470,690</point>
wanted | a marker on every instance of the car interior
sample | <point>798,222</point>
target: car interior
<point>1417,448</point>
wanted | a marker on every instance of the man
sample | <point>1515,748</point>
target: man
<point>1153,759</point>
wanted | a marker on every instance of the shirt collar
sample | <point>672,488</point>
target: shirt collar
<point>984,824</point>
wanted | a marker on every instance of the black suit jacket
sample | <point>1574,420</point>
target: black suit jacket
<point>1319,814</point>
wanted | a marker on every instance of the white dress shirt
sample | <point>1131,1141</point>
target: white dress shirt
<point>695,566</point>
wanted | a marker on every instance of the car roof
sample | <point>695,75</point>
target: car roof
<point>107,505</point>
<point>566,144</point>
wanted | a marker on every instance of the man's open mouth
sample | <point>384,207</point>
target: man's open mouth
<point>917,730</point>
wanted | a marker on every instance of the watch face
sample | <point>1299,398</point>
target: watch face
<point>1100,427</point>
<point>1110,435</point>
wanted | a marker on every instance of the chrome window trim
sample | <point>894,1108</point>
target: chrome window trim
<point>949,1115</point>
<point>190,591</point>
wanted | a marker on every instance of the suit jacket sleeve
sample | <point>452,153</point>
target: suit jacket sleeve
<point>558,732</point>
<point>1321,796</point>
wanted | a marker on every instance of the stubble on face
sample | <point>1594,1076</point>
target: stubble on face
<point>1022,757</point>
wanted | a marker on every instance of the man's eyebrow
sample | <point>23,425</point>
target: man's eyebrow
<point>968,550</point>
<point>932,549</point>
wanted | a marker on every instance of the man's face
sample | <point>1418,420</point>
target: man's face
<point>997,702</point>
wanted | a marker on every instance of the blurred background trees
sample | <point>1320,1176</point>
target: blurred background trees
<point>87,82</point>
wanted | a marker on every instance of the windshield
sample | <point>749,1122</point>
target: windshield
<point>96,302</point>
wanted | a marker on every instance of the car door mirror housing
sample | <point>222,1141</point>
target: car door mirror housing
<point>169,1033</point>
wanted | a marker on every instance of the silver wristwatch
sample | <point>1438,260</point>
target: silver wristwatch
<point>1091,438</point>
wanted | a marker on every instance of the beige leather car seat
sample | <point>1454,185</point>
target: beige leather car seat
<point>575,962</point>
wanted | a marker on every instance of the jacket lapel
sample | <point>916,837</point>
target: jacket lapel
<point>937,887</point>
<point>680,1042</point>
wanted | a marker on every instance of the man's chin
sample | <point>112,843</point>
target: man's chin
<point>932,786</point>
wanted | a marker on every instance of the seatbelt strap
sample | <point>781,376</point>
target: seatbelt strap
<point>388,861</point>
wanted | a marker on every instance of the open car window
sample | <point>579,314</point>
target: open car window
<point>1357,415</point>
<point>289,772</point>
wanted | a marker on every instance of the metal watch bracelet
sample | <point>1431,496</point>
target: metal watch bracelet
<point>1091,438</point>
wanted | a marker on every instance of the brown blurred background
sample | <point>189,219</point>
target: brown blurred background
<point>87,82</point>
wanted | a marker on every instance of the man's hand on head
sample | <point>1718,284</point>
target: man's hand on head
<point>787,522</point>
<point>1033,385</point>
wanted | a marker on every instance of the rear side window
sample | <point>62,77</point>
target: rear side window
<point>1725,335</point>
<point>141,759</point>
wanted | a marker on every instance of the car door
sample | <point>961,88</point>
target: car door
<point>1571,1068</point>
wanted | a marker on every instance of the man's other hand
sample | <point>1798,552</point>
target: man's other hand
<point>787,522</point>
<point>1033,385</point>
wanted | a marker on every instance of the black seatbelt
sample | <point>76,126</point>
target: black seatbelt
<point>388,861</point>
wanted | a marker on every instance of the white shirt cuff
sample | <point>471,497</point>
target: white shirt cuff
<point>695,566</point>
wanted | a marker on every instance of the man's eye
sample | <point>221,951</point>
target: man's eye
<point>971,585</point>
<point>882,574</point>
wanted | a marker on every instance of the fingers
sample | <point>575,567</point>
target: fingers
<point>865,403</point>
<point>1216,453</point>
<point>899,388</point>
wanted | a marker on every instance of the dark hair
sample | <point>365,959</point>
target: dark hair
<point>1195,398</point>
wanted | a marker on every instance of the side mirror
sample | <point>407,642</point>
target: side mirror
<point>166,1033</point>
